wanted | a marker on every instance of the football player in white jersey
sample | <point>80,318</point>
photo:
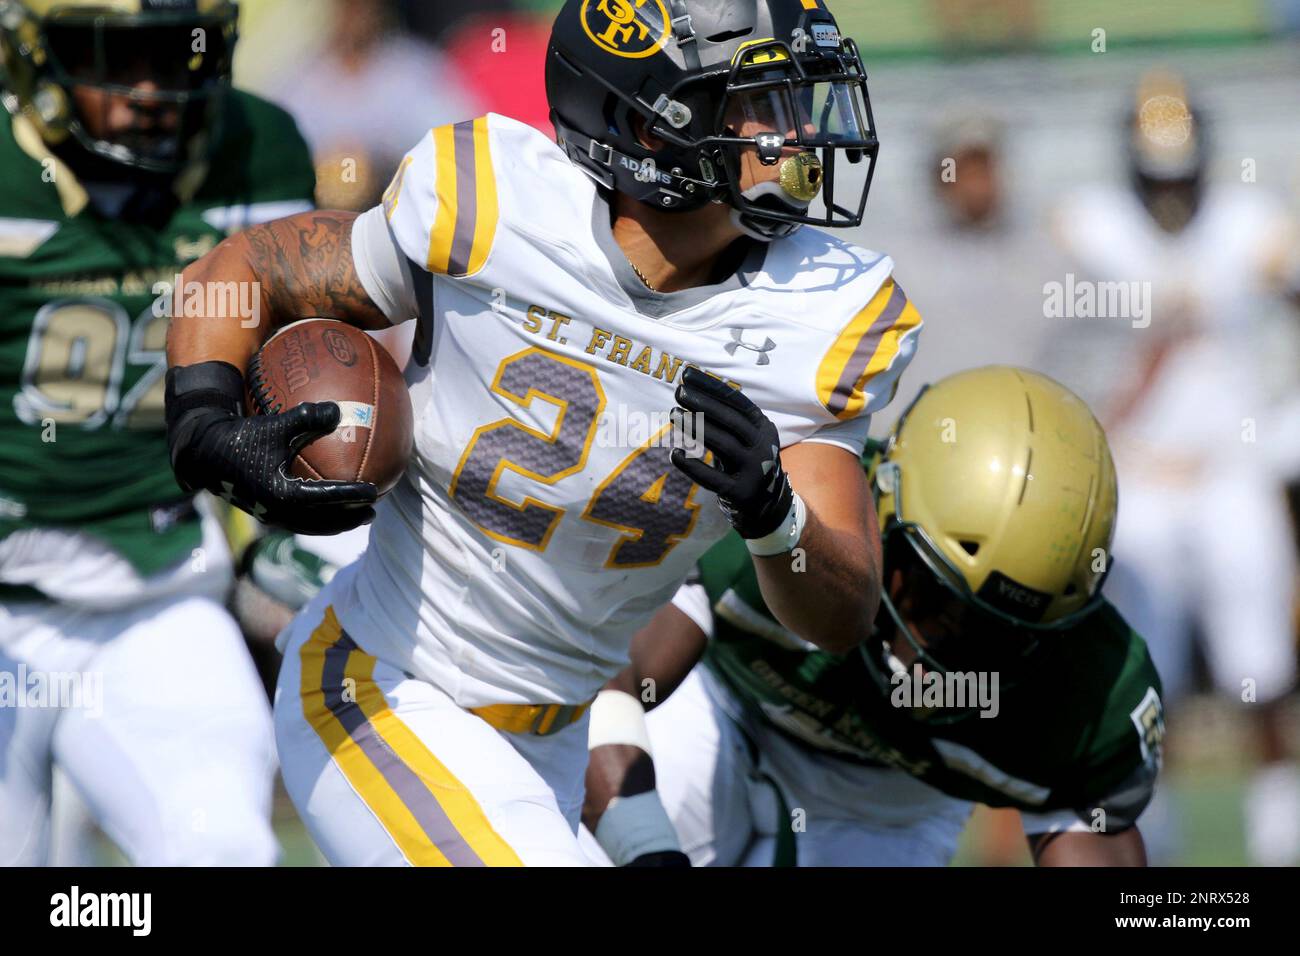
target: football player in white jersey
<point>432,708</point>
<point>1184,398</point>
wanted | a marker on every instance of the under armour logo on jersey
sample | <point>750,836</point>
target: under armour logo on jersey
<point>738,342</point>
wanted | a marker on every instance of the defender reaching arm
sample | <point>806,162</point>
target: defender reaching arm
<point>620,766</point>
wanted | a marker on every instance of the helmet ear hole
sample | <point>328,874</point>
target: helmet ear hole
<point>970,547</point>
<point>641,130</point>
<point>726,35</point>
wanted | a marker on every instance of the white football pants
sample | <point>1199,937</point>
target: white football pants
<point>157,718</point>
<point>387,770</point>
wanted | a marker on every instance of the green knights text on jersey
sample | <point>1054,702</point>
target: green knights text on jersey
<point>82,343</point>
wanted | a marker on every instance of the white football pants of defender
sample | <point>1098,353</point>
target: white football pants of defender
<point>730,784</point>
<point>387,770</point>
<point>156,716</point>
<point>1218,551</point>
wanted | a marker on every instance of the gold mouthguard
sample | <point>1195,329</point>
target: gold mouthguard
<point>801,176</point>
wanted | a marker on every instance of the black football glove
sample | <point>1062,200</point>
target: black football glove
<point>748,479</point>
<point>243,460</point>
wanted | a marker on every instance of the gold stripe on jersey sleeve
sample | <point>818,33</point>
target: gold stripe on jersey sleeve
<point>865,348</point>
<point>887,351</point>
<point>394,191</point>
<point>485,227</point>
<point>810,4</point>
<point>444,223</point>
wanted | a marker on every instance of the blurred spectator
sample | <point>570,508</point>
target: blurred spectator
<point>365,99</point>
<point>1203,539</point>
<point>970,254</point>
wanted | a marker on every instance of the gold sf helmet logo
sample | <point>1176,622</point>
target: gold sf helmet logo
<point>628,28</point>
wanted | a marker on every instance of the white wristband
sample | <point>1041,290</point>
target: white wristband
<point>633,826</point>
<point>617,718</point>
<point>785,538</point>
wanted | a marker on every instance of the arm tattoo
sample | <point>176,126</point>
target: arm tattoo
<point>304,263</point>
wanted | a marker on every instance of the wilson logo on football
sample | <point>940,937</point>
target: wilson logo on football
<point>294,364</point>
<point>627,28</point>
<point>340,348</point>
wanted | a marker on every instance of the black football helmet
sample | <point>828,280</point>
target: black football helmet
<point>699,73</point>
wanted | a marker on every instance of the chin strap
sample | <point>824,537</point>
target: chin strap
<point>758,226</point>
<point>598,161</point>
<point>684,31</point>
<point>764,230</point>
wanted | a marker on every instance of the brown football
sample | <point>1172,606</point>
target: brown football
<point>321,360</point>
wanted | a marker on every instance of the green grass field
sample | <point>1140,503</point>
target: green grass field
<point>1212,826</point>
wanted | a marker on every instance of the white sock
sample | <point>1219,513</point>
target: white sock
<point>1272,809</point>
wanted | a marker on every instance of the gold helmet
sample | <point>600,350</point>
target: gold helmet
<point>182,47</point>
<point>999,481</point>
<point>1168,148</point>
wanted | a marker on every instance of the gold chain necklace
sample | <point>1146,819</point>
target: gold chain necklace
<point>641,275</point>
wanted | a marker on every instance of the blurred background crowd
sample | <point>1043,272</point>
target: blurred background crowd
<point>1028,146</point>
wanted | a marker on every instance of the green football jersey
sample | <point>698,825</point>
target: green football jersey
<point>1079,730</point>
<point>82,345</point>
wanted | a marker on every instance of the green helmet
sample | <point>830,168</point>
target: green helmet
<point>180,49</point>
<point>997,489</point>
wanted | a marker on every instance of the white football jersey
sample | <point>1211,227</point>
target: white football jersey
<point>1208,288</point>
<point>1211,276</point>
<point>541,522</point>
